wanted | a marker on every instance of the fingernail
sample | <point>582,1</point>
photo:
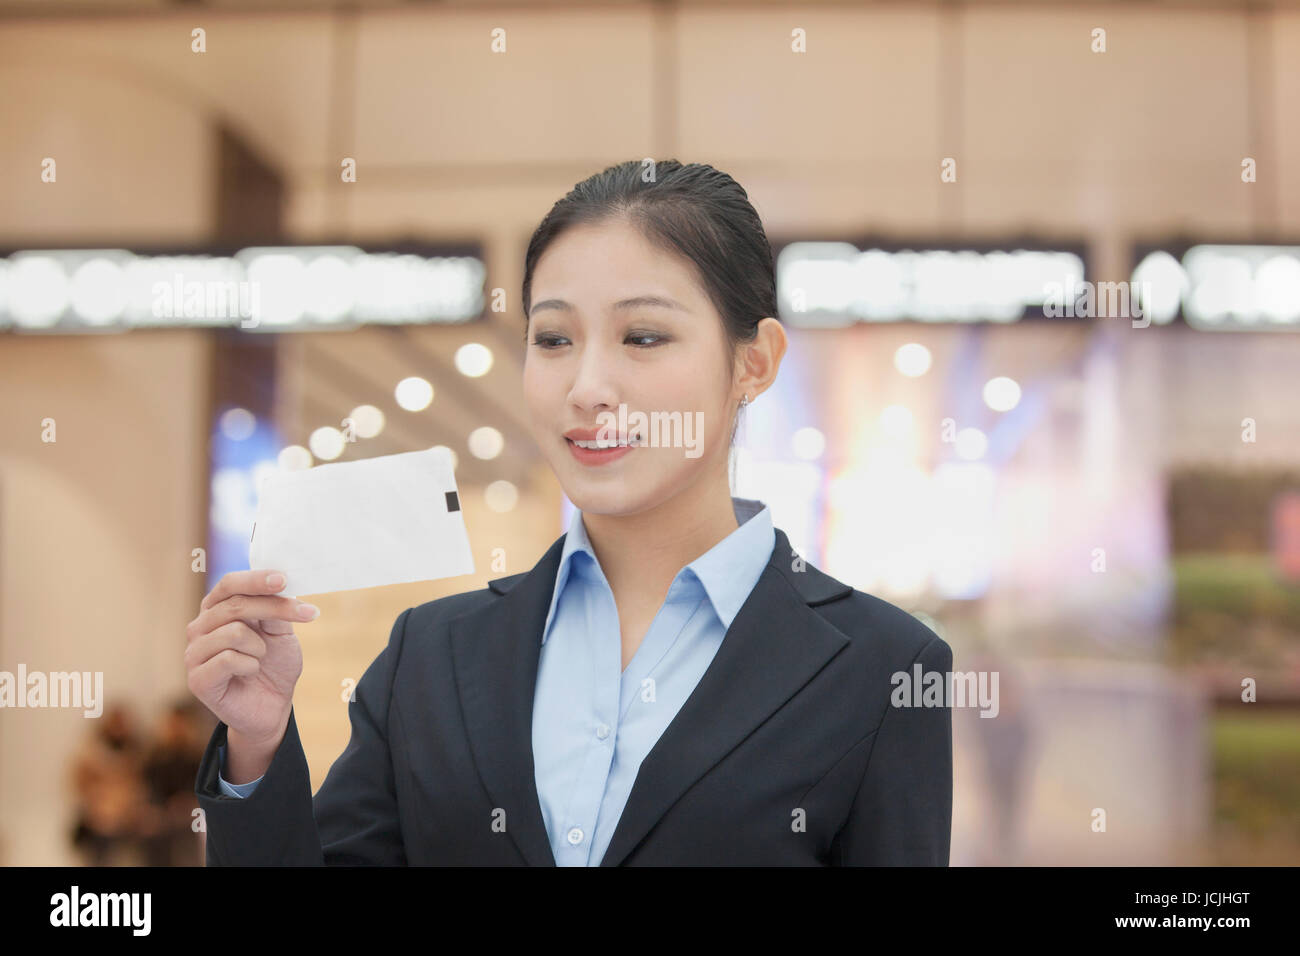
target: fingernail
<point>275,580</point>
<point>309,612</point>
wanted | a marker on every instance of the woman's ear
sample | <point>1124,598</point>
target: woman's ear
<point>761,359</point>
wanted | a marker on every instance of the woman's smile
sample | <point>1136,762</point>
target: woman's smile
<point>597,455</point>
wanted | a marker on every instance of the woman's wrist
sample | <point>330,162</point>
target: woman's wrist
<point>247,760</point>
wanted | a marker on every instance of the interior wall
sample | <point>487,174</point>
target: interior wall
<point>97,530</point>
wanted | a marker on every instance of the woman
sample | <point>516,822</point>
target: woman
<point>590,711</point>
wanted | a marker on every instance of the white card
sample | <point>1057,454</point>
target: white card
<point>362,524</point>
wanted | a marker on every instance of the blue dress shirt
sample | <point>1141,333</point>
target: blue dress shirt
<point>593,722</point>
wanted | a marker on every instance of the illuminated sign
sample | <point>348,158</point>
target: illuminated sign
<point>1228,288</point>
<point>835,284</point>
<point>265,288</point>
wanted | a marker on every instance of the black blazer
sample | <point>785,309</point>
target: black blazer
<point>787,753</point>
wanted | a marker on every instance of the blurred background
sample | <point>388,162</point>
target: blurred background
<point>240,236</point>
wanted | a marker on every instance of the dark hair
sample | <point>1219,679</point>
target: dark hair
<point>693,210</point>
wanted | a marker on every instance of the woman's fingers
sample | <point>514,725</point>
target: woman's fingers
<point>246,607</point>
<point>219,669</point>
<point>236,635</point>
<point>257,581</point>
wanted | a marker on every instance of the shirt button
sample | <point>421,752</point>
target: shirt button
<point>575,836</point>
<point>602,731</point>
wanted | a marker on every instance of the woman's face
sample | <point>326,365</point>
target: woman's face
<point>617,322</point>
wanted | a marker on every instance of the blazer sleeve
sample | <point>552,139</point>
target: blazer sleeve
<point>902,814</point>
<point>353,818</point>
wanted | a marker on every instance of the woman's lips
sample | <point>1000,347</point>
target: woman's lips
<point>597,456</point>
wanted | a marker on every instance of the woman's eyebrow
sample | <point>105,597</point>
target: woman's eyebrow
<point>622,305</point>
<point>652,301</point>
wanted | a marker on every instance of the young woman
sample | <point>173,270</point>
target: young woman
<point>671,684</point>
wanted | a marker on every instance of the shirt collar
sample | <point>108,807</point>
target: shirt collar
<point>728,571</point>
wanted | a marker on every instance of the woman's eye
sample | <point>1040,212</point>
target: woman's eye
<point>645,335</point>
<point>644,340</point>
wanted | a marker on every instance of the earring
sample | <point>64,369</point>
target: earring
<point>744,401</point>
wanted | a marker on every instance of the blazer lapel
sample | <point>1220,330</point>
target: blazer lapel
<point>495,653</point>
<point>774,646</point>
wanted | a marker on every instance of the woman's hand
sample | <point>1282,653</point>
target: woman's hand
<point>243,660</point>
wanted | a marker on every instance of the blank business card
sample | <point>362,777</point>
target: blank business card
<point>362,524</point>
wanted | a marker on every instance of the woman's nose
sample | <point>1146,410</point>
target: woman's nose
<point>593,380</point>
